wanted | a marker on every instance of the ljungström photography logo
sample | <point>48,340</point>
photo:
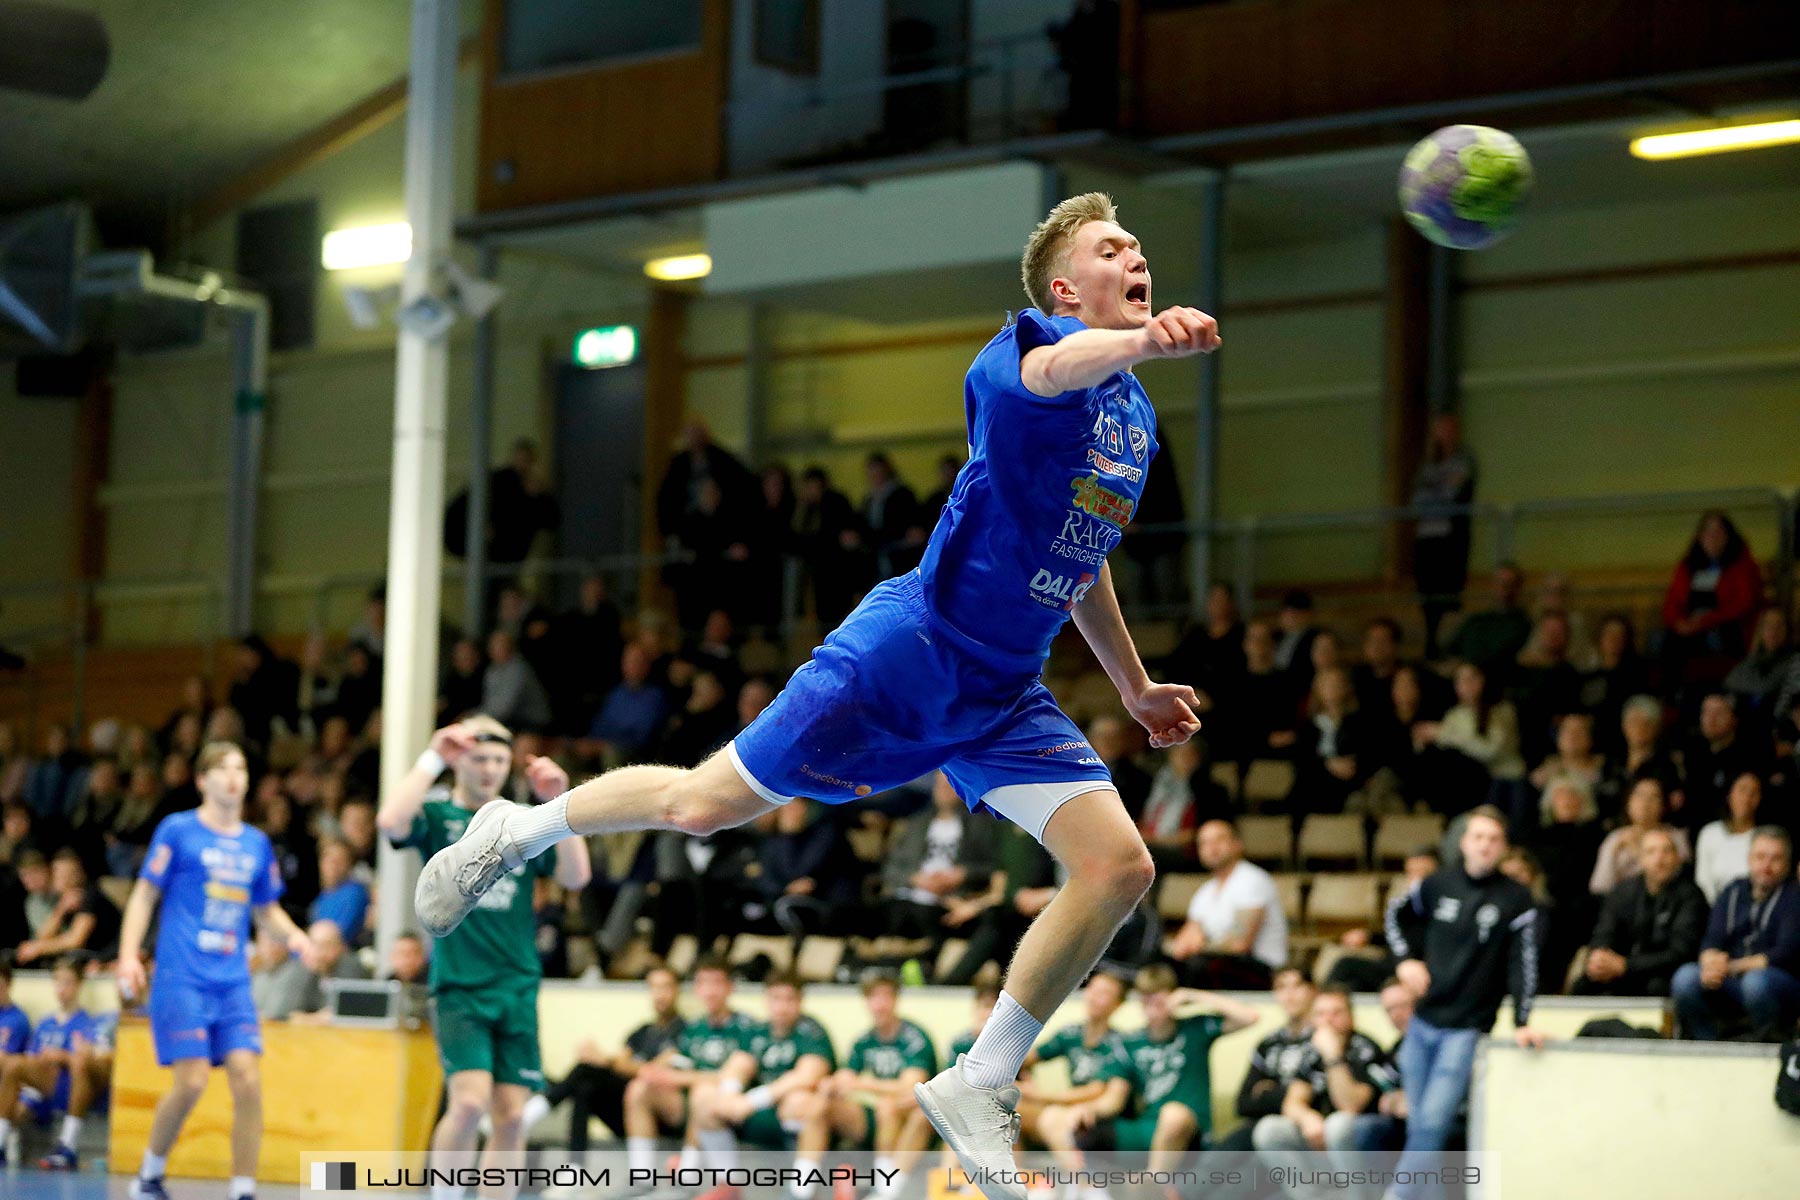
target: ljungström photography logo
<point>334,1177</point>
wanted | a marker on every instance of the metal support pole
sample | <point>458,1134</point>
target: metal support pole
<point>421,387</point>
<point>249,386</point>
<point>1204,506</point>
<point>1440,349</point>
<point>756,386</point>
<point>481,455</point>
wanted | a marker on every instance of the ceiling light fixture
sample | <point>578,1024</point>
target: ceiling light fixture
<point>681,266</point>
<point>1716,141</point>
<point>367,246</point>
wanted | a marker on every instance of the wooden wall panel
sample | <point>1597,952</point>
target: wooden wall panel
<point>1218,66</point>
<point>649,122</point>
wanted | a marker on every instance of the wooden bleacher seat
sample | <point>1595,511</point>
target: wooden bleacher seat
<point>1400,834</point>
<point>1343,900</point>
<point>1331,837</point>
<point>1268,841</point>
<point>1267,781</point>
<point>1290,886</point>
<point>819,957</point>
<point>747,946</point>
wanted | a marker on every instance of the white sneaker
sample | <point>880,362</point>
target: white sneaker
<point>457,876</point>
<point>980,1124</point>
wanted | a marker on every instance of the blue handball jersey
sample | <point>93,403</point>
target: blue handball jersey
<point>210,882</point>
<point>1049,487</point>
<point>57,1032</point>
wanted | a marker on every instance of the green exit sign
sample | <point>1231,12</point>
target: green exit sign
<point>606,346</point>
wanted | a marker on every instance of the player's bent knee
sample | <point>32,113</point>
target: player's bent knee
<point>1177,1120</point>
<point>190,1076</point>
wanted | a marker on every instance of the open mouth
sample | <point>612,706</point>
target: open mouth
<point>1138,293</point>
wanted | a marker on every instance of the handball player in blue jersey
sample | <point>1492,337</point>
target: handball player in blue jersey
<point>212,874</point>
<point>940,667</point>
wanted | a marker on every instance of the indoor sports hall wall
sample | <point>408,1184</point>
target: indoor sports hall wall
<point>1704,353</point>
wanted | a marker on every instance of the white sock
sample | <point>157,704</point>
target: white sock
<point>690,1158</point>
<point>998,1053</point>
<point>642,1152</point>
<point>447,1191</point>
<point>242,1185</point>
<point>535,830</point>
<point>887,1179</point>
<point>5,1131</point>
<point>154,1166</point>
<point>804,1189</point>
<point>720,1147</point>
<point>536,1109</point>
<point>71,1131</point>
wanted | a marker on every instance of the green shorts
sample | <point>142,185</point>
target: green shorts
<point>493,1031</point>
<point>763,1130</point>
<point>1131,1134</point>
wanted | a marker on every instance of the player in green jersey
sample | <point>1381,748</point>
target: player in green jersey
<point>1164,1075</point>
<point>763,1090</point>
<point>1092,1049</point>
<point>883,1065</point>
<point>658,1095</point>
<point>485,973</point>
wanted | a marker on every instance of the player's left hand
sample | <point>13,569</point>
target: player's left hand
<point>548,781</point>
<point>1167,711</point>
<point>1529,1038</point>
<point>299,943</point>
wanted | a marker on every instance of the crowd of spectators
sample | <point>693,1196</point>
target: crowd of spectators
<point>1641,777</point>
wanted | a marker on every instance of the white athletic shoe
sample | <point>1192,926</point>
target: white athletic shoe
<point>461,873</point>
<point>980,1124</point>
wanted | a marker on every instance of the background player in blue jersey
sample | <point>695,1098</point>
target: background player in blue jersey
<point>211,873</point>
<point>940,667</point>
<point>36,1082</point>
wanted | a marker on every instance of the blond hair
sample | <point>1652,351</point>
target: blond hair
<point>481,723</point>
<point>212,754</point>
<point>1047,249</point>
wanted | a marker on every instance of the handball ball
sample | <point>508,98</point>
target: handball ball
<point>1462,186</point>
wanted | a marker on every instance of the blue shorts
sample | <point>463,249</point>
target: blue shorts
<point>189,1019</point>
<point>892,695</point>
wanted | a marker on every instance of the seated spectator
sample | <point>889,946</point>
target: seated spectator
<point>1335,1083</point>
<point>1709,611</point>
<point>992,923</point>
<point>1648,927</point>
<point>1169,1090</point>
<point>1048,1115</point>
<point>1396,778</point>
<point>752,698</point>
<point>95,812</point>
<point>895,526</point>
<point>811,879</point>
<point>1114,742</point>
<point>459,687</point>
<point>135,821</point>
<point>936,857</point>
<point>1260,722</point>
<point>45,1065</point>
<point>716,650</point>
<point>1723,852</point>
<point>1574,761</point>
<point>1756,682</point>
<point>1492,639</point>
<point>1749,966</point>
<point>1385,1127</point>
<point>827,541</point>
<point>1236,932</point>
<point>1545,684</point>
<point>1567,846</point>
<point>1373,678</point>
<point>1619,673</point>
<point>90,1079</point>
<point>1643,756</point>
<point>40,897</point>
<point>702,725</point>
<point>356,826</point>
<point>1183,796</point>
<point>54,779</point>
<point>359,687</point>
<point>1293,650</point>
<point>1210,656</point>
<point>1326,767</point>
<point>83,919</point>
<point>342,900</point>
<point>633,712</point>
<point>511,692</point>
<point>15,833</point>
<point>1479,739</point>
<point>596,1084</point>
<point>1618,857</point>
<point>1713,761</point>
<point>1275,1063</point>
<point>15,1026</point>
<point>297,985</point>
<point>1364,971</point>
<point>406,960</point>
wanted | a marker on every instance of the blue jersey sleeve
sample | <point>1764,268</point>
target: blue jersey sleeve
<point>1003,359</point>
<point>15,1031</point>
<point>160,857</point>
<point>268,886</point>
